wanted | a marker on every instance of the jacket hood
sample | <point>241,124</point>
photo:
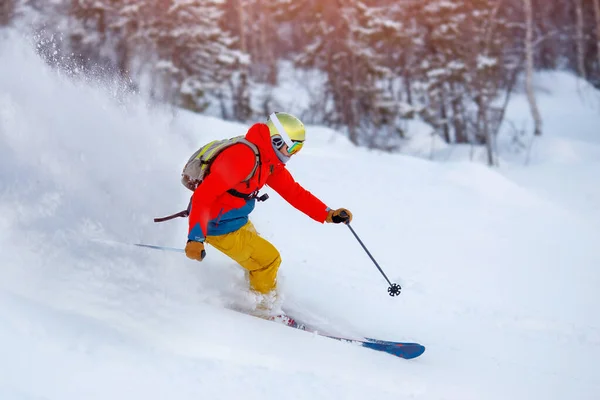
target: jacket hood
<point>259,135</point>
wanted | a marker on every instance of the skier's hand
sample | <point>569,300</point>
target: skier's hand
<point>339,215</point>
<point>195,250</point>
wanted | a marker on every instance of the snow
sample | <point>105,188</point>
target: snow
<point>562,166</point>
<point>485,61</point>
<point>499,267</point>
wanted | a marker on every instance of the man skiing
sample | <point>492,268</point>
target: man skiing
<point>225,197</point>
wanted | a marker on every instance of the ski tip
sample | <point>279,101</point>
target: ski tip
<point>407,351</point>
<point>413,351</point>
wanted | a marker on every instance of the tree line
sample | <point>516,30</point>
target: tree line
<point>450,63</point>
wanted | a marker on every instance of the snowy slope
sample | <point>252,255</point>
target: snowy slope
<point>564,164</point>
<point>500,279</point>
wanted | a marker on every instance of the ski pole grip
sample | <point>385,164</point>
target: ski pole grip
<point>344,214</point>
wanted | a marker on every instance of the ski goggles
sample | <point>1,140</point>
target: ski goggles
<point>295,147</point>
<point>278,142</point>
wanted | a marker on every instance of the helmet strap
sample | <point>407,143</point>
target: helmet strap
<point>278,125</point>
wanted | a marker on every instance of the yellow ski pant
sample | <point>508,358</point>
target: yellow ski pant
<point>253,253</point>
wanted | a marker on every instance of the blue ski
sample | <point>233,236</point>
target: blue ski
<point>398,349</point>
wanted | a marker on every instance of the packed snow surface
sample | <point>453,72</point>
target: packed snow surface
<point>500,268</point>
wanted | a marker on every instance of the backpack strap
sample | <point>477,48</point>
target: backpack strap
<point>209,152</point>
<point>257,163</point>
<point>198,166</point>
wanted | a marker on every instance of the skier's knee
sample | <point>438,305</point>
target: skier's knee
<point>264,279</point>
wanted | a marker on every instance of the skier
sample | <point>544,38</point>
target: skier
<point>225,197</point>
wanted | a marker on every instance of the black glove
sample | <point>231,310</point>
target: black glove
<point>338,216</point>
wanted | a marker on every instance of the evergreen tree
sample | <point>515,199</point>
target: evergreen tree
<point>343,33</point>
<point>251,23</point>
<point>194,54</point>
<point>445,61</point>
<point>462,66</point>
<point>88,33</point>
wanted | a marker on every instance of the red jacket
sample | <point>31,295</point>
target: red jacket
<point>211,202</point>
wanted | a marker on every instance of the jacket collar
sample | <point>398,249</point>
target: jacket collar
<point>259,135</point>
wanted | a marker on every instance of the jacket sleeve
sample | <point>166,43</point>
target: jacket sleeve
<point>229,168</point>
<point>283,183</point>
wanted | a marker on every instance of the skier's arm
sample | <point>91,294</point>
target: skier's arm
<point>283,183</point>
<point>230,167</point>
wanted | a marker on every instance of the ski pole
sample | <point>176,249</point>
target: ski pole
<point>394,289</point>
<point>150,246</point>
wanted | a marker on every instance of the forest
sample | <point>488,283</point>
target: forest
<point>450,63</point>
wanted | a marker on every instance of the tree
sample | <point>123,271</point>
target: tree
<point>580,39</point>
<point>343,33</point>
<point>194,55</point>
<point>462,63</point>
<point>7,11</point>
<point>88,32</point>
<point>597,19</point>
<point>447,62</point>
<point>252,23</point>
<point>535,113</point>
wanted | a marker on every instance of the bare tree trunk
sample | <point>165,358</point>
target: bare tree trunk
<point>242,22</point>
<point>458,116</point>
<point>240,91</point>
<point>7,10</point>
<point>408,86</point>
<point>580,40</point>
<point>489,145</point>
<point>486,91</point>
<point>444,115</point>
<point>535,113</point>
<point>597,14</point>
<point>267,56</point>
